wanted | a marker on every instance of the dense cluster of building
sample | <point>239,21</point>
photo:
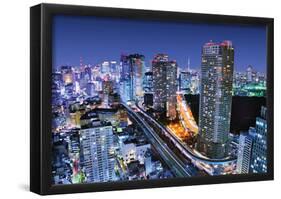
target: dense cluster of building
<point>96,140</point>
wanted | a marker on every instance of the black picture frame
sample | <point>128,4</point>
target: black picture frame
<point>40,96</point>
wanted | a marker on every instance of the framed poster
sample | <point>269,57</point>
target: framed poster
<point>125,99</point>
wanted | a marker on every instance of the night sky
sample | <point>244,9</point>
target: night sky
<point>105,39</point>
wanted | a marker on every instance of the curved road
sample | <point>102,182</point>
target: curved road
<point>187,151</point>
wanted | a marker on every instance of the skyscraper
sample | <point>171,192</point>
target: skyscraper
<point>259,152</point>
<point>132,72</point>
<point>245,150</point>
<point>215,98</point>
<point>137,68</point>
<point>97,153</point>
<point>164,85</point>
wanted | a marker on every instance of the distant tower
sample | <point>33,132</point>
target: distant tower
<point>81,61</point>
<point>188,64</point>
<point>249,73</point>
<point>82,66</point>
<point>215,98</point>
<point>164,85</point>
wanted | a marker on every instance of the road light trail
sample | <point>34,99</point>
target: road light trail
<point>186,115</point>
<point>185,149</point>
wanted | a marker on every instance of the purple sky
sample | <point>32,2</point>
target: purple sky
<point>100,39</point>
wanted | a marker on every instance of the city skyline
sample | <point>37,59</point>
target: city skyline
<point>130,119</point>
<point>100,39</point>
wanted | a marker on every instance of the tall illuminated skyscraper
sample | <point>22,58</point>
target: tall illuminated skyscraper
<point>98,153</point>
<point>164,85</point>
<point>215,98</point>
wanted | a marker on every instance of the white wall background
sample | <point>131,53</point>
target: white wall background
<point>14,92</point>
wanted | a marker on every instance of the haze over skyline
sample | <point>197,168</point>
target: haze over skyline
<point>98,39</point>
